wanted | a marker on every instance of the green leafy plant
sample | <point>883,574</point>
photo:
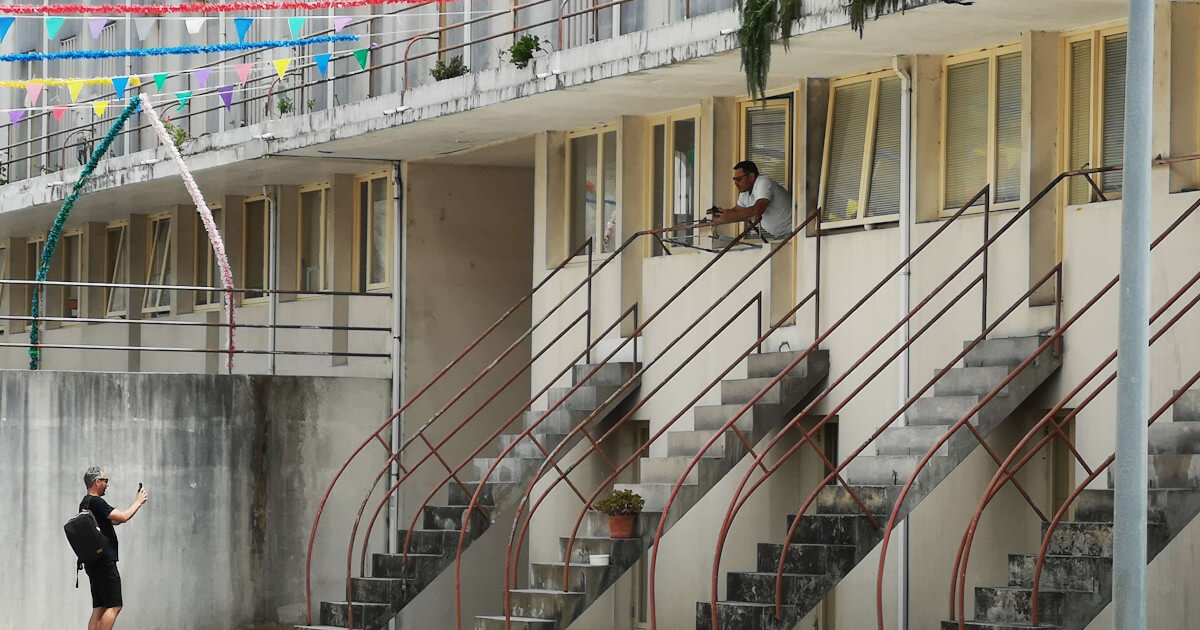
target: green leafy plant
<point>310,104</point>
<point>621,503</point>
<point>284,105</point>
<point>442,71</point>
<point>179,135</point>
<point>521,52</point>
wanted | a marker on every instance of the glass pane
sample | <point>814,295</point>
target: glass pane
<point>310,240</point>
<point>1080,115</point>
<point>767,142</point>
<point>611,235</point>
<point>1114,110</point>
<point>114,254</point>
<point>160,271</point>
<point>966,132</point>
<point>1008,128</point>
<point>659,185</point>
<point>584,163</point>
<point>256,246</point>
<point>884,198</point>
<point>379,220</point>
<point>851,104</point>
<point>684,180</point>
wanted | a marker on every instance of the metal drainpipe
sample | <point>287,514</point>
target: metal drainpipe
<point>272,195</point>
<point>1133,355</point>
<point>906,171</point>
<point>399,301</point>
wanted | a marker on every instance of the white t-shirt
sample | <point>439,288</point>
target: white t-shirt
<point>777,218</point>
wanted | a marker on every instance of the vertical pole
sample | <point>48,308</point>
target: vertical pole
<point>399,299</point>
<point>902,566</point>
<point>272,195</point>
<point>1133,355</point>
<point>987,236</point>
<point>588,358</point>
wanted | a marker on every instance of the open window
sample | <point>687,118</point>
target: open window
<point>1094,110</point>
<point>73,271</point>
<point>314,271</point>
<point>116,248</point>
<point>257,238</point>
<point>860,179</point>
<point>205,266</point>
<point>159,270</point>
<point>33,258</point>
<point>374,227</point>
<point>592,189</point>
<point>675,188</point>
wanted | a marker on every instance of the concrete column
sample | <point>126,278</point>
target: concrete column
<point>631,186</point>
<point>340,228</point>
<point>1039,154</point>
<point>136,245</point>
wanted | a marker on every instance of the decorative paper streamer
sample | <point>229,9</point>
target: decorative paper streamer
<point>243,71</point>
<point>74,87</point>
<point>281,66</point>
<point>159,80</point>
<point>183,98</point>
<point>142,25</point>
<point>206,217</point>
<point>322,63</point>
<point>56,229</point>
<point>202,76</point>
<point>24,85</point>
<point>99,107</point>
<point>5,24</point>
<point>226,93</point>
<point>174,50</point>
<point>243,27</point>
<point>119,84</point>
<point>59,111</point>
<point>361,57</point>
<point>198,7</point>
<point>295,25</point>
<point>340,23</point>
<point>97,25</point>
<point>193,25</point>
<point>16,115</point>
<point>34,90</point>
<point>52,25</point>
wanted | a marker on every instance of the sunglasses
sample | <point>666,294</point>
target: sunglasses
<point>104,479</point>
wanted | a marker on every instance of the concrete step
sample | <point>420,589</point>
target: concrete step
<point>528,446</point>
<point>498,622</point>
<point>391,591</point>
<point>561,420</point>
<point>770,364</point>
<point>510,469</point>
<point>707,471</point>
<point>805,558</point>
<point>450,517</point>
<point>801,590</point>
<point>433,542</point>
<point>1174,437</point>
<point>656,494</point>
<point>494,493</point>
<point>581,578</point>
<point>884,470</point>
<point>1008,603</point>
<point>745,616</point>
<point>366,616</point>
<point>1061,573</point>
<point>608,374</point>
<point>712,417</point>
<point>741,391</point>
<point>916,441</point>
<point>834,499</point>
<point>621,552</point>
<point>1187,408</point>
<point>546,604</point>
<point>420,568</point>
<point>836,529</point>
<point>987,625</point>
<point>972,381</point>
<point>585,398</point>
<point>940,410</point>
<point>688,443</point>
<point>1003,351</point>
<point>595,524</point>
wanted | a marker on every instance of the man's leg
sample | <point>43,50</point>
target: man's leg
<point>109,618</point>
<point>94,621</point>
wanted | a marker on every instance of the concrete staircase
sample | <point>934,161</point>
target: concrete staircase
<point>552,604</point>
<point>835,535</point>
<point>1076,581</point>
<point>395,582</point>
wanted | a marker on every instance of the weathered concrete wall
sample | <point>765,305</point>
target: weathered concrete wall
<point>235,468</point>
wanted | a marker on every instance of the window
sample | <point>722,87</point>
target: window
<point>207,272</point>
<point>861,177</point>
<point>33,258</point>
<point>258,238</point>
<point>72,253</point>
<point>982,136</point>
<point>111,66</point>
<point>115,251</point>
<point>767,137</point>
<point>314,272</point>
<point>159,270</point>
<point>374,251</point>
<point>1095,110</point>
<point>592,168</point>
<point>68,67</point>
<point>674,185</point>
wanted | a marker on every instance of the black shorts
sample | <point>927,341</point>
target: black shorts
<point>106,584</point>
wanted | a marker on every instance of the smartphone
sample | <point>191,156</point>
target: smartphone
<point>139,486</point>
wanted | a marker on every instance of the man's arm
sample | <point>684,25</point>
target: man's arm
<point>738,213</point>
<point>120,516</point>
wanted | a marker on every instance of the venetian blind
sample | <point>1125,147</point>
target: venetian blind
<point>847,135</point>
<point>1008,128</point>
<point>1113,96</point>
<point>1080,114</point>
<point>884,198</point>
<point>767,141</point>
<point>966,131</point>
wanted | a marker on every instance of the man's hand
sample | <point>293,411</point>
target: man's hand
<point>142,497</point>
<point>715,214</point>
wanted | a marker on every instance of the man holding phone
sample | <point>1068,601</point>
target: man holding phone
<point>102,574</point>
<point>759,197</point>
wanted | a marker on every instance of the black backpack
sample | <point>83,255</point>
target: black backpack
<point>86,539</point>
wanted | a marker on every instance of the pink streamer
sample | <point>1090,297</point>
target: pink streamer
<point>195,7</point>
<point>210,226</point>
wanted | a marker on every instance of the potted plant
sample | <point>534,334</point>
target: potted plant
<point>521,52</point>
<point>622,508</point>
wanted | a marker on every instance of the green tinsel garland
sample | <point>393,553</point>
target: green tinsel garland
<point>56,230</point>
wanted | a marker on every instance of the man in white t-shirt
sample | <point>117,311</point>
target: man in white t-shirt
<point>759,196</point>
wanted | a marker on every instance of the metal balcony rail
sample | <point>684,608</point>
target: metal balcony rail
<point>269,82</point>
<point>1054,430</point>
<point>516,541</point>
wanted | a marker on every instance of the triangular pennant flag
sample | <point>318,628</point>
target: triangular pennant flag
<point>202,76</point>
<point>183,98</point>
<point>134,80</point>
<point>281,66</point>
<point>160,79</point>
<point>361,57</point>
<point>193,25</point>
<point>52,26</point>
<point>340,23</point>
<point>243,27</point>
<point>143,24</point>
<point>119,84</point>
<point>97,25</point>
<point>74,87</point>
<point>5,24</point>
<point>34,90</point>
<point>99,107</point>
<point>226,92</point>
<point>322,62</point>
<point>243,70</point>
<point>58,111</point>
<point>296,24</point>
<point>16,115</point>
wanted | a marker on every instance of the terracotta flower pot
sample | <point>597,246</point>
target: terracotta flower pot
<point>621,526</point>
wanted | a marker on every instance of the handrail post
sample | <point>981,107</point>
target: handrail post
<point>758,320</point>
<point>817,283</point>
<point>591,250</point>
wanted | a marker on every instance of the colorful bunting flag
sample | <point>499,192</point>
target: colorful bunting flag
<point>119,84</point>
<point>281,66</point>
<point>226,92</point>
<point>296,24</point>
<point>183,98</point>
<point>243,71</point>
<point>340,23</point>
<point>99,107</point>
<point>361,57</point>
<point>97,26</point>
<point>243,27</point>
<point>58,111</point>
<point>52,26</point>
<point>322,62</point>
<point>74,88</point>
<point>5,24</point>
<point>160,79</point>
<point>16,115</point>
<point>142,25</point>
<point>193,25</point>
<point>202,76</point>
<point>34,90</point>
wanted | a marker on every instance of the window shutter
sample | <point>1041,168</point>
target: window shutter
<point>848,132</point>
<point>884,198</point>
<point>966,131</point>
<point>767,142</point>
<point>1008,128</point>
<point>1080,107</point>
<point>1114,109</point>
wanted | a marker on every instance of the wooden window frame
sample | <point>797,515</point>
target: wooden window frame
<point>1097,37</point>
<point>668,121</point>
<point>151,276</point>
<point>322,240</point>
<point>774,99</point>
<point>122,260</point>
<point>81,265</point>
<point>875,78</point>
<point>364,216</point>
<point>991,54</point>
<point>202,273</point>
<point>598,236</point>
<point>247,239</point>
